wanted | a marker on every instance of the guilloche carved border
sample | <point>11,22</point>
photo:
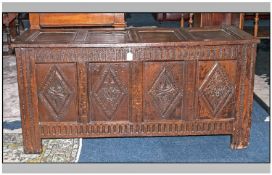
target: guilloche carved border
<point>140,53</point>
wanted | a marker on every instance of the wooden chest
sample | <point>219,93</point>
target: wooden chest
<point>135,82</point>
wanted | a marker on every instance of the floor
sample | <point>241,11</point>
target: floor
<point>54,150</point>
<point>181,149</point>
<point>262,74</point>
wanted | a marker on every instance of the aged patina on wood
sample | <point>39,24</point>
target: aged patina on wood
<point>81,83</point>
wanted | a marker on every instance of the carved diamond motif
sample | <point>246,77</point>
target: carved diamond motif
<point>216,88</point>
<point>56,93</point>
<point>164,93</point>
<point>110,93</point>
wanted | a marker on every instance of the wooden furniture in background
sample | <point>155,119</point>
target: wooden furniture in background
<point>218,19</point>
<point>162,17</point>
<point>236,19</point>
<point>201,19</point>
<point>256,22</point>
<point>262,32</point>
<point>135,82</point>
<point>10,24</point>
<point>182,17</point>
<point>49,20</point>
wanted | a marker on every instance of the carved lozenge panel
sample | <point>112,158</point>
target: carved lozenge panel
<point>163,90</point>
<point>57,91</point>
<point>108,90</point>
<point>216,89</point>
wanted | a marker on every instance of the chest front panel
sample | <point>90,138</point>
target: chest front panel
<point>179,90</point>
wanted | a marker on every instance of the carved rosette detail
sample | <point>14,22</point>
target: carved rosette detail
<point>216,89</point>
<point>110,93</point>
<point>55,93</point>
<point>165,94</point>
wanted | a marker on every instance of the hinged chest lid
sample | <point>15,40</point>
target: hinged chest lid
<point>110,37</point>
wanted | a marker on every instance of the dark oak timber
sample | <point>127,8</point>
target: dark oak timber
<point>83,83</point>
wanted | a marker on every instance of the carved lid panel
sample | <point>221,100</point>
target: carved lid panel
<point>130,37</point>
<point>79,36</point>
<point>47,36</point>
<point>107,37</point>
<point>158,35</point>
<point>212,35</point>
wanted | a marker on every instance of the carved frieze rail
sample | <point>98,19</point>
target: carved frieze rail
<point>140,53</point>
<point>130,129</point>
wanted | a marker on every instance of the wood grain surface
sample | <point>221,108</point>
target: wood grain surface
<point>79,83</point>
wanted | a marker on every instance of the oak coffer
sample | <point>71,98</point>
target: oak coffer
<point>135,82</point>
